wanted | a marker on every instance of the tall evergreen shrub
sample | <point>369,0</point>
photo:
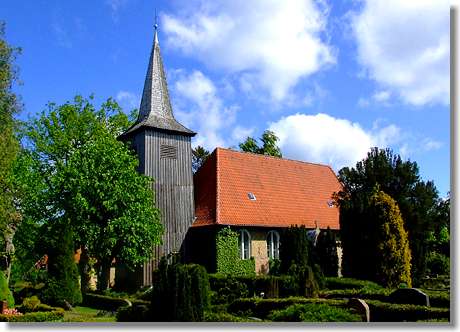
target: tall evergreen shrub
<point>326,249</point>
<point>62,281</point>
<point>180,294</point>
<point>299,261</point>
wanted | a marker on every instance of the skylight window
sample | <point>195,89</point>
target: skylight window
<point>251,196</point>
<point>330,203</point>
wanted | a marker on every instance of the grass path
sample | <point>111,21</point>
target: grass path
<point>86,314</point>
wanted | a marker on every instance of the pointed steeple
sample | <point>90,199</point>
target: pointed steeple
<point>155,110</point>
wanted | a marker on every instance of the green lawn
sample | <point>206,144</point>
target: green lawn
<point>86,314</point>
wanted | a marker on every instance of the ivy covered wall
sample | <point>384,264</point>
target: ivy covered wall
<point>228,256</point>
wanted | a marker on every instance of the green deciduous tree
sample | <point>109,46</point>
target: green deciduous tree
<point>90,179</point>
<point>9,106</point>
<point>110,204</point>
<point>269,145</point>
<point>399,179</point>
<point>199,156</point>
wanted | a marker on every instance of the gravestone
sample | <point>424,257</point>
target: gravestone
<point>409,296</point>
<point>361,307</point>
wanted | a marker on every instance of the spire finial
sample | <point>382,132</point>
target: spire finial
<point>156,20</point>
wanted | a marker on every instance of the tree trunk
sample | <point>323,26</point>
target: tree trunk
<point>104,275</point>
<point>84,268</point>
<point>9,246</point>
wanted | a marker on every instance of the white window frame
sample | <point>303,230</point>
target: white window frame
<point>273,245</point>
<point>245,248</point>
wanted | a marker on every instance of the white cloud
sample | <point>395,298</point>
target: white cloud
<point>128,100</point>
<point>324,139</point>
<point>62,35</point>
<point>206,112</point>
<point>363,102</point>
<point>271,45</point>
<point>239,133</point>
<point>404,46</point>
<point>115,6</point>
<point>429,144</point>
<point>381,96</point>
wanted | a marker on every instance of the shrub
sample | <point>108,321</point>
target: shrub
<point>350,283</point>
<point>326,249</point>
<point>227,288</point>
<point>39,308</point>
<point>5,292</point>
<point>314,312</point>
<point>221,317</point>
<point>294,248</point>
<point>438,298</point>
<point>262,307</point>
<point>50,316</point>
<point>438,263</point>
<point>389,312</point>
<point>274,267</point>
<point>372,294</point>
<point>228,257</point>
<point>375,243</point>
<point>103,302</point>
<point>31,303</point>
<point>135,313</point>
<point>299,260</point>
<point>392,243</point>
<point>62,284</point>
<point>24,289</point>
<point>181,292</point>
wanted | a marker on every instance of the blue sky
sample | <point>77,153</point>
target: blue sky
<point>331,78</point>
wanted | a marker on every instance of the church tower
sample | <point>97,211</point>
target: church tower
<point>164,150</point>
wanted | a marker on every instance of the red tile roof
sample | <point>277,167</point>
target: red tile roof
<point>287,192</point>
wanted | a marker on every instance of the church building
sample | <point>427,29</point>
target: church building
<point>255,195</point>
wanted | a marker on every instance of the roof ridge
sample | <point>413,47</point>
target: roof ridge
<point>277,158</point>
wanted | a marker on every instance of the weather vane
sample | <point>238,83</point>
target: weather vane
<point>156,19</point>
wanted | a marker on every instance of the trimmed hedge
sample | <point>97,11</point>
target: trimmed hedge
<point>438,298</point>
<point>381,295</point>
<point>39,308</point>
<point>135,313</point>
<point>222,317</point>
<point>262,307</point>
<point>103,302</point>
<point>389,312</point>
<point>229,288</point>
<point>50,316</point>
<point>314,312</point>
<point>350,283</point>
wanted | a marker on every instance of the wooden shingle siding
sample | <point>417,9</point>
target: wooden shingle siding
<point>173,186</point>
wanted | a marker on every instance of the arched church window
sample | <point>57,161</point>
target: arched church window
<point>244,244</point>
<point>273,245</point>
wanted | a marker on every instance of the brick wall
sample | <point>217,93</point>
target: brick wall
<point>259,250</point>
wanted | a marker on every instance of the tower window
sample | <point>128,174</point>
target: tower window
<point>244,244</point>
<point>168,152</point>
<point>273,245</point>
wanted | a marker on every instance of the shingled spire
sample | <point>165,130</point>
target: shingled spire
<point>155,110</point>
